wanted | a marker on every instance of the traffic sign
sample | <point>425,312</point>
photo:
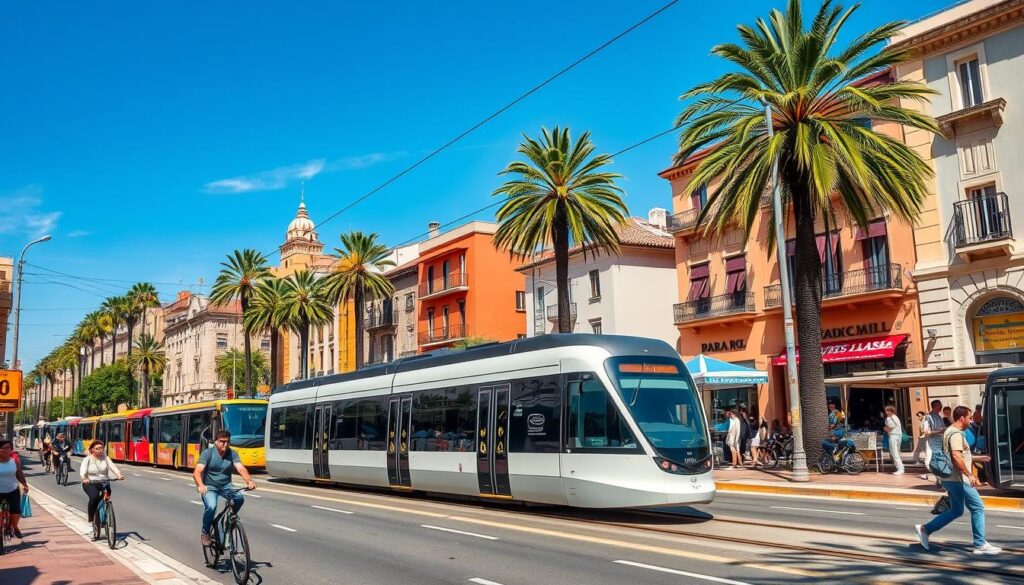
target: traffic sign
<point>10,390</point>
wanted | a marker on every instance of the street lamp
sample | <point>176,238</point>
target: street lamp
<point>799,457</point>
<point>17,318</point>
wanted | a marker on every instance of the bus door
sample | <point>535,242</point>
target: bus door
<point>199,436</point>
<point>321,440</point>
<point>399,435</point>
<point>492,440</point>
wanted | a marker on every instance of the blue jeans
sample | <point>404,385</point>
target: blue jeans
<point>960,494</point>
<point>210,503</point>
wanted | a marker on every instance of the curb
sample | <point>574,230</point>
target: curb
<point>992,502</point>
<point>147,562</point>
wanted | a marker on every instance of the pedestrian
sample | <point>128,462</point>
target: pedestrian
<point>760,435</point>
<point>10,476</point>
<point>894,429</point>
<point>961,486</point>
<point>744,434</point>
<point>732,439</point>
<point>932,429</point>
<point>919,448</point>
<point>947,412</point>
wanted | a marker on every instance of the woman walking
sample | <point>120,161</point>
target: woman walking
<point>895,430</point>
<point>10,476</point>
<point>96,470</point>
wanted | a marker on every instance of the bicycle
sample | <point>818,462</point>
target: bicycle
<point>105,520</point>
<point>228,535</point>
<point>47,462</point>
<point>63,467</point>
<point>6,533</point>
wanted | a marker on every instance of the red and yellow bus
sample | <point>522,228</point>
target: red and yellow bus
<point>84,433</point>
<point>140,447</point>
<point>179,434</point>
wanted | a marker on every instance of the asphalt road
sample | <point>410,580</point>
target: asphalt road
<point>310,534</point>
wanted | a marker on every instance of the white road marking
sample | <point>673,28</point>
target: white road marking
<point>683,573</point>
<point>332,509</point>
<point>908,509</point>
<point>252,496</point>
<point>166,478</point>
<point>443,529</point>
<point>196,502</point>
<point>1013,527</point>
<point>818,510</point>
<point>137,474</point>
<point>285,528</point>
<point>480,581</point>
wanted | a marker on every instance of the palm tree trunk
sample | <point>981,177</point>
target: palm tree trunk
<point>304,344</point>
<point>248,350</point>
<point>92,357</point>
<point>274,335</point>
<point>103,350</point>
<point>131,327</point>
<point>560,241</point>
<point>359,325</point>
<point>807,292</point>
<point>145,387</point>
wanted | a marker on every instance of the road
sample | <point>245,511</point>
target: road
<point>311,534</point>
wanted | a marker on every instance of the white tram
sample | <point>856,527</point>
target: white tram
<point>581,420</point>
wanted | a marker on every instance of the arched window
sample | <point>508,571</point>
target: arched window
<point>998,330</point>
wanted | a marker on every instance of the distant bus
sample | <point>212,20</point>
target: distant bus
<point>1003,420</point>
<point>178,434</point>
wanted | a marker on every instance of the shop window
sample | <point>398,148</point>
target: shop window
<point>734,399</point>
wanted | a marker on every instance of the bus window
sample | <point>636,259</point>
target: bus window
<point>170,429</point>
<point>246,423</point>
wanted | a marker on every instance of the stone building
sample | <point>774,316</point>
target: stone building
<point>6,298</point>
<point>389,325</point>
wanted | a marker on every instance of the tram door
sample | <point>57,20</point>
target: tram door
<point>492,440</point>
<point>399,424</point>
<point>321,441</point>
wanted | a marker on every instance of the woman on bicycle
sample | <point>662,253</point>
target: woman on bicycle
<point>46,451</point>
<point>97,470</point>
<point>10,476</point>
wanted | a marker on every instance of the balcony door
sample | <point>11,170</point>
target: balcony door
<point>875,243</point>
<point>987,218</point>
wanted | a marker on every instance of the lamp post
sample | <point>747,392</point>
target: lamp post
<point>799,457</point>
<point>17,319</point>
<point>81,371</point>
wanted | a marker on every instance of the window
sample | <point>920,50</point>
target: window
<point>222,340</point>
<point>736,280</point>
<point>595,326</point>
<point>291,427</point>
<point>265,344</point>
<point>115,434</point>
<point>430,279</point>
<point>521,300</point>
<point>444,420</point>
<point>700,275</point>
<point>444,318</point>
<point>170,429</point>
<point>410,300</point>
<point>875,245</point>
<point>199,430</point>
<point>699,197</point>
<point>430,321</point>
<point>968,74</point>
<point>446,273</point>
<point>595,285</point>
<point>594,421</point>
<point>831,263</point>
<point>359,424</point>
<point>520,336</point>
<point>536,422</point>
<point>462,312</point>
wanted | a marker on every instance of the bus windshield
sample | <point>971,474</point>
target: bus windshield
<point>246,423</point>
<point>665,406</point>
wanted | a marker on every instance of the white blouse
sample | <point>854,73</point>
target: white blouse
<point>99,469</point>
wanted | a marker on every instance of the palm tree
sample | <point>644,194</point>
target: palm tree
<point>141,296</point>
<point>90,328</point>
<point>116,310</point>
<point>230,363</point>
<point>237,280</point>
<point>149,359</point>
<point>260,316</point>
<point>304,305</point>
<point>358,271</point>
<point>559,196</point>
<point>817,94</point>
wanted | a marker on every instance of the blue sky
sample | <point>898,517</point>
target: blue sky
<point>151,139</point>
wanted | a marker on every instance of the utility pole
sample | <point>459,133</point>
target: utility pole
<point>799,457</point>
<point>17,320</point>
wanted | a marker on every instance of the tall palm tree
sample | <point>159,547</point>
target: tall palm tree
<point>116,309</point>
<point>148,360</point>
<point>559,196</point>
<point>230,363</point>
<point>261,316</point>
<point>304,305</point>
<point>358,272</point>
<point>92,326</point>
<point>238,278</point>
<point>141,296</point>
<point>817,93</point>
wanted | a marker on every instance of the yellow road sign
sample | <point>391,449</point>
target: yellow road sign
<point>10,390</point>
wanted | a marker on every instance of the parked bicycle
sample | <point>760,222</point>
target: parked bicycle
<point>227,535</point>
<point>104,523</point>
<point>777,448</point>
<point>840,454</point>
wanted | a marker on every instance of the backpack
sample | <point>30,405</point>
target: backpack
<point>941,464</point>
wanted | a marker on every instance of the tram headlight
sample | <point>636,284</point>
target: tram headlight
<point>672,467</point>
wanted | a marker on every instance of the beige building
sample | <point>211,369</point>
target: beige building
<point>6,298</point>
<point>389,325</point>
<point>115,347</point>
<point>196,332</point>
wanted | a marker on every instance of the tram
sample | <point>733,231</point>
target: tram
<point>581,420</point>
<point>1003,428</point>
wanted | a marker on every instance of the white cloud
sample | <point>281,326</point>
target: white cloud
<point>282,177</point>
<point>78,234</point>
<point>25,215</point>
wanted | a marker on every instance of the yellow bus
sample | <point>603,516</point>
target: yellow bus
<point>180,433</point>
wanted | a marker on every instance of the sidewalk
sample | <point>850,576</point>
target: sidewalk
<point>869,485</point>
<point>56,550</point>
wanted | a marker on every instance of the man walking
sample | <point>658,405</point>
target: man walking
<point>961,486</point>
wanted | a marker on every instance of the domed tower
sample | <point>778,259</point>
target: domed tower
<point>302,245</point>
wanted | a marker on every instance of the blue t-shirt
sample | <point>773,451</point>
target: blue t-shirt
<point>217,473</point>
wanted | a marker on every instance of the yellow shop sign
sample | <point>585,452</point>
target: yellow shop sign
<point>999,332</point>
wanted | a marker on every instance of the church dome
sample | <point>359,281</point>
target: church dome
<point>301,226</point>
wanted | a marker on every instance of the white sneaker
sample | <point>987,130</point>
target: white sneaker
<point>900,472</point>
<point>923,537</point>
<point>924,477</point>
<point>987,549</point>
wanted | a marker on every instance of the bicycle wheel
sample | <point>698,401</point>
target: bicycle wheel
<point>238,546</point>
<point>96,523</point>
<point>4,520</point>
<point>211,552</point>
<point>825,463</point>
<point>771,459</point>
<point>111,526</point>
<point>854,463</point>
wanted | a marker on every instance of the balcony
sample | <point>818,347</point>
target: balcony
<point>683,221</point>
<point>455,282</point>
<point>981,227</point>
<point>380,320</point>
<point>442,335</point>
<point>884,280</point>
<point>552,313</point>
<point>728,307</point>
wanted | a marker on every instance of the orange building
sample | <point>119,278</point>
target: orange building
<point>731,308</point>
<point>466,288</point>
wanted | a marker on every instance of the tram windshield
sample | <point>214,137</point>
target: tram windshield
<point>1004,417</point>
<point>246,423</point>
<point>665,406</point>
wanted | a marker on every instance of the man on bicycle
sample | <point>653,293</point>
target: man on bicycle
<point>213,479</point>
<point>61,452</point>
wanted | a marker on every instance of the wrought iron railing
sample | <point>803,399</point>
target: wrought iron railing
<point>981,219</point>
<point>552,312</point>
<point>448,333</point>
<point>683,220</point>
<point>442,284</point>
<point>851,282</point>
<point>727,304</point>
<point>381,319</point>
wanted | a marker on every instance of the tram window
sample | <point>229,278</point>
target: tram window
<point>428,432</point>
<point>594,421</point>
<point>373,421</point>
<point>170,429</point>
<point>444,420</point>
<point>536,416</point>
<point>291,427</point>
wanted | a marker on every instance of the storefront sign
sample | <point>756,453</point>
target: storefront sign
<point>855,330</point>
<point>999,332</point>
<point>730,345</point>
<point>874,348</point>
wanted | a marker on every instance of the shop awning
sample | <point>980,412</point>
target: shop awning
<point>709,371</point>
<point>872,348</point>
<point>931,377</point>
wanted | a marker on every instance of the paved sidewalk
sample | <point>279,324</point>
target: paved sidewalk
<point>868,485</point>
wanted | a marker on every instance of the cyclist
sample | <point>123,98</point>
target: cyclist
<point>96,471</point>
<point>213,479</point>
<point>47,450</point>
<point>61,451</point>
<point>10,476</point>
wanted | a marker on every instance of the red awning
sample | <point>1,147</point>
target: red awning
<point>872,348</point>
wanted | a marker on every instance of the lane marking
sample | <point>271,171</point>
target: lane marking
<point>285,528</point>
<point>481,581</point>
<point>818,510</point>
<point>332,509</point>
<point>683,573</point>
<point>196,503</point>
<point>137,474</point>
<point>252,496</point>
<point>1013,527</point>
<point>166,478</point>
<point>452,530</point>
